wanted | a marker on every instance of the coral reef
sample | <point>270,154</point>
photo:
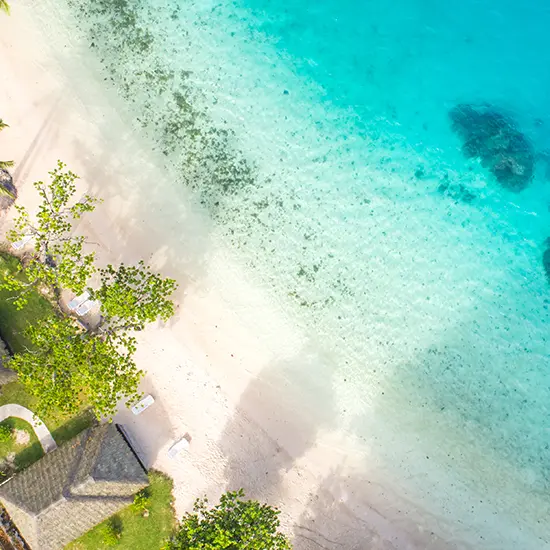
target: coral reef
<point>493,137</point>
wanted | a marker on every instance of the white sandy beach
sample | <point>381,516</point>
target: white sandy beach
<point>219,371</point>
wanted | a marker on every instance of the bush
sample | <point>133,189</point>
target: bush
<point>141,501</point>
<point>233,523</point>
<point>6,433</point>
<point>111,532</point>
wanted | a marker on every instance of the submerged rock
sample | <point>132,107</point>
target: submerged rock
<point>419,172</point>
<point>494,139</point>
<point>456,191</point>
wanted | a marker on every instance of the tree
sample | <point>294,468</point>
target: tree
<point>234,524</point>
<point>132,296</point>
<point>4,6</point>
<point>111,531</point>
<point>67,367</point>
<point>59,260</point>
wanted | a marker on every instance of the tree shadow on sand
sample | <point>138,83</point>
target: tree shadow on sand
<point>276,421</point>
<point>149,431</point>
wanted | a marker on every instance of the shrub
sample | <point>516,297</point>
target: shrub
<point>6,433</point>
<point>233,523</point>
<point>141,501</point>
<point>111,532</point>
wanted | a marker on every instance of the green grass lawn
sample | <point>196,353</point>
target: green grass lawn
<point>62,427</point>
<point>13,321</point>
<point>12,327</point>
<point>138,532</point>
<point>24,454</point>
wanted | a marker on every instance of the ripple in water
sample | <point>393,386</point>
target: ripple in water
<point>410,243</point>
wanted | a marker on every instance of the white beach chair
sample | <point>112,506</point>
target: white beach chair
<point>180,445</point>
<point>143,404</point>
<point>18,245</point>
<point>85,307</point>
<point>78,301</point>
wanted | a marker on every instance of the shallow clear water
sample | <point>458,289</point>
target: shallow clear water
<point>319,138</point>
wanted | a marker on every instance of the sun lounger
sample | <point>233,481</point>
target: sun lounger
<point>177,447</point>
<point>78,301</point>
<point>85,307</point>
<point>18,245</point>
<point>145,403</point>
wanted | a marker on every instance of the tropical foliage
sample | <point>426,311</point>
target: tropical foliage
<point>59,261</point>
<point>69,364</point>
<point>4,6</point>
<point>234,524</point>
<point>4,164</point>
<point>142,500</point>
<point>111,532</point>
<point>6,433</point>
<point>132,296</point>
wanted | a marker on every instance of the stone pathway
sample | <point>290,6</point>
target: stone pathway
<point>42,432</point>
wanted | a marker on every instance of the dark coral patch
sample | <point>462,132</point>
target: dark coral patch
<point>458,192</point>
<point>493,138</point>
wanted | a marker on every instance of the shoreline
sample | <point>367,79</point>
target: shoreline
<point>47,121</point>
<point>209,367</point>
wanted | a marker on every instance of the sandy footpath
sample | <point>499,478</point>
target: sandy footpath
<point>228,369</point>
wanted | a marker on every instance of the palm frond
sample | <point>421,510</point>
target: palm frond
<point>2,123</point>
<point>5,192</point>
<point>4,6</point>
<point>5,164</point>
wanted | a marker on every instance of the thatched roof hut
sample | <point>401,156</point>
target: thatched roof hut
<point>68,491</point>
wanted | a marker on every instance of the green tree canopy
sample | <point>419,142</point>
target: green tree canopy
<point>59,261</point>
<point>234,524</point>
<point>68,367</point>
<point>132,296</point>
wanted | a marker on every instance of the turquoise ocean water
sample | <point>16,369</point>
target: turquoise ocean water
<point>319,136</point>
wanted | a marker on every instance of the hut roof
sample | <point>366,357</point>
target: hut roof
<point>68,491</point>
